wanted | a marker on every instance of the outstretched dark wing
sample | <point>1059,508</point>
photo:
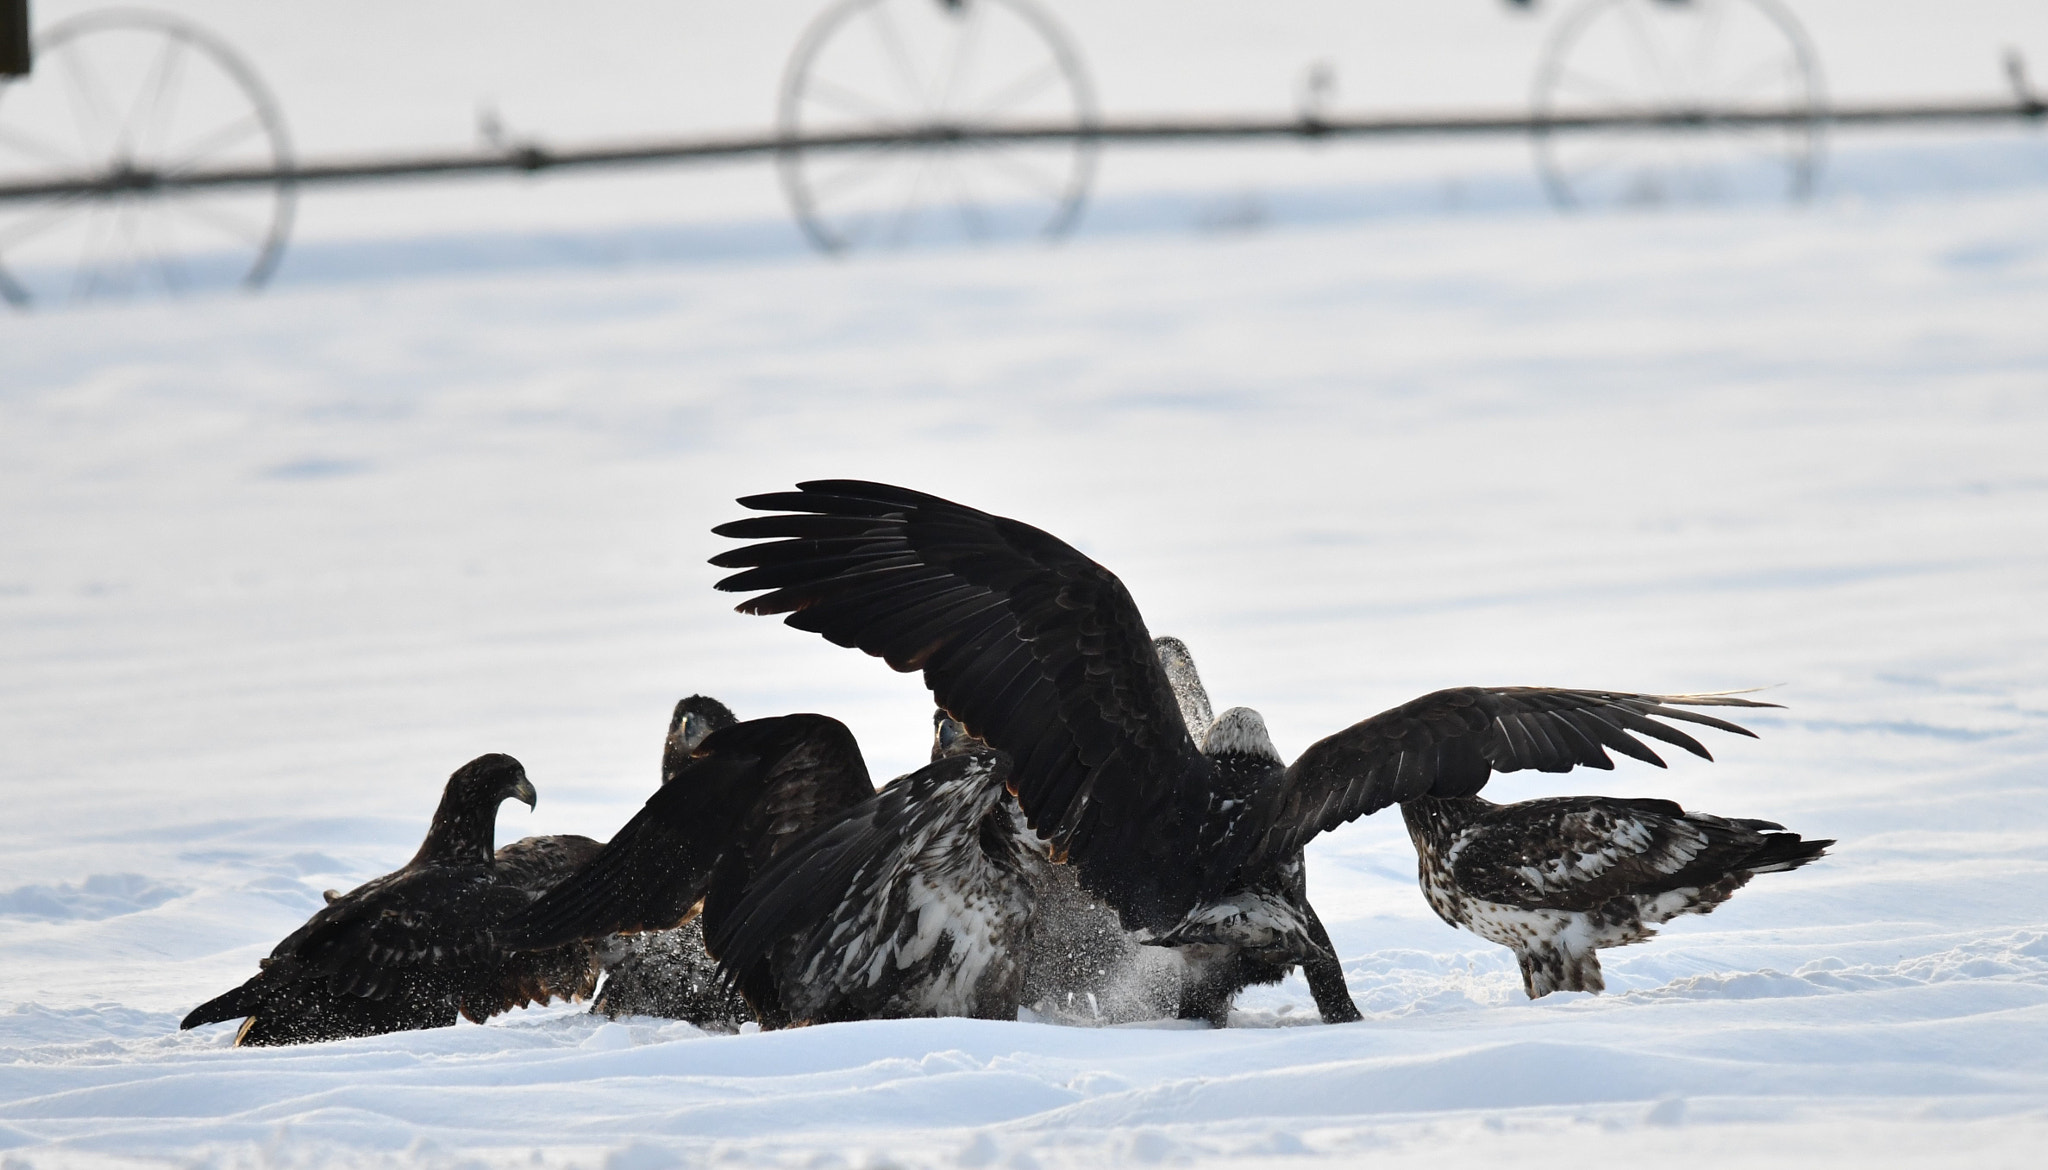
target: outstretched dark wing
<point>1578,852</point>
<point>1035,648</point>
<point>656,869</point>
<point>1449,743</point>
<point>535,865</point>
<point>868,902</point>
<point>808,787</point>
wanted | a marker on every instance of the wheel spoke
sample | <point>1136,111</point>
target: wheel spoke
<point>1649,63</point>
<point>866,166</point>
<point>253,234</point>
<point>906,216</point>
<point>1583,168</point>
<point>1022,90</point>
<point>1770,147</point>
<point>846,101</point>
<point>145,110</point>
<point>87,100</point>
<point>170,269</point>
<point>42,148</point>
<point>87,278</point>
<point>1576,80</point>
<point>972,217</point>
<point>1757,75</point>
<point>965,42</point>
<point>1050,186</point>
<point>159,130</point>
<point>224,138</point>
<point>899,56</point>
<point>34,225</point>
<point>128,256</point>
<point>1710,39</point>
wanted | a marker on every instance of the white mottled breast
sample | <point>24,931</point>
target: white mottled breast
<point>939,885</point>
<point>1439,889</point>
<point>979,922</point>
<point>1623,920</point>
<point>1519,927</point>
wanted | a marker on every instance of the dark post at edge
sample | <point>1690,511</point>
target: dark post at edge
<point>14,50</point>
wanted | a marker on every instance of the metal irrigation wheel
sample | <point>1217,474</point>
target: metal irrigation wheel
<point>122,96</point>
<point>889,66</point>
<point>1683,58</point>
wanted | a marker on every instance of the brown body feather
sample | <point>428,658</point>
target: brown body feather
<point>413,949</point>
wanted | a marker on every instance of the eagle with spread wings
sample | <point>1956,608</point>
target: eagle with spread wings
<point>1042,653</point>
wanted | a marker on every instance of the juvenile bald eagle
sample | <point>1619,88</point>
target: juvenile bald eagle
<point>1555,880</point>
<point>1042,653</point>
<point>413,949</point>
<point>914,903</point>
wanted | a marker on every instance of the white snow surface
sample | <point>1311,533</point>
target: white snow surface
<point>271,568</point>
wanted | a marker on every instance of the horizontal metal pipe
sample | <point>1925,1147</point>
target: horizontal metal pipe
<point>533,157</point>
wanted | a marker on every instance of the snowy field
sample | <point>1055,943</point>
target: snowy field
<point>270,568</point>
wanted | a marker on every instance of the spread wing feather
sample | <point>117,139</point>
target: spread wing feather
<point>535,865</point>
<point>1042,653</point>
<point>1450,742</point>
<point>810,785</point>
<point>763,778</point>
<point>1031,645</point>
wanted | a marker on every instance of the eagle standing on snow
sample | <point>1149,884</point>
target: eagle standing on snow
<point>1555,880</point>
<point>413,949</point>
<point>1041,653</point>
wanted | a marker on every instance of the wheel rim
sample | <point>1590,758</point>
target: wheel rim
<point>1678,57</point>
<point>122,92</point>
<point>884,66</point>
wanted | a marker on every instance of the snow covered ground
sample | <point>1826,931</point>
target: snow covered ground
<point>271,568</point>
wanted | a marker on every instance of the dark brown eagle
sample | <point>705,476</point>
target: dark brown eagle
<point>413,949</point>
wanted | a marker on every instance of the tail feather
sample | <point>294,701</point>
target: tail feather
<point>1782,851</point>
